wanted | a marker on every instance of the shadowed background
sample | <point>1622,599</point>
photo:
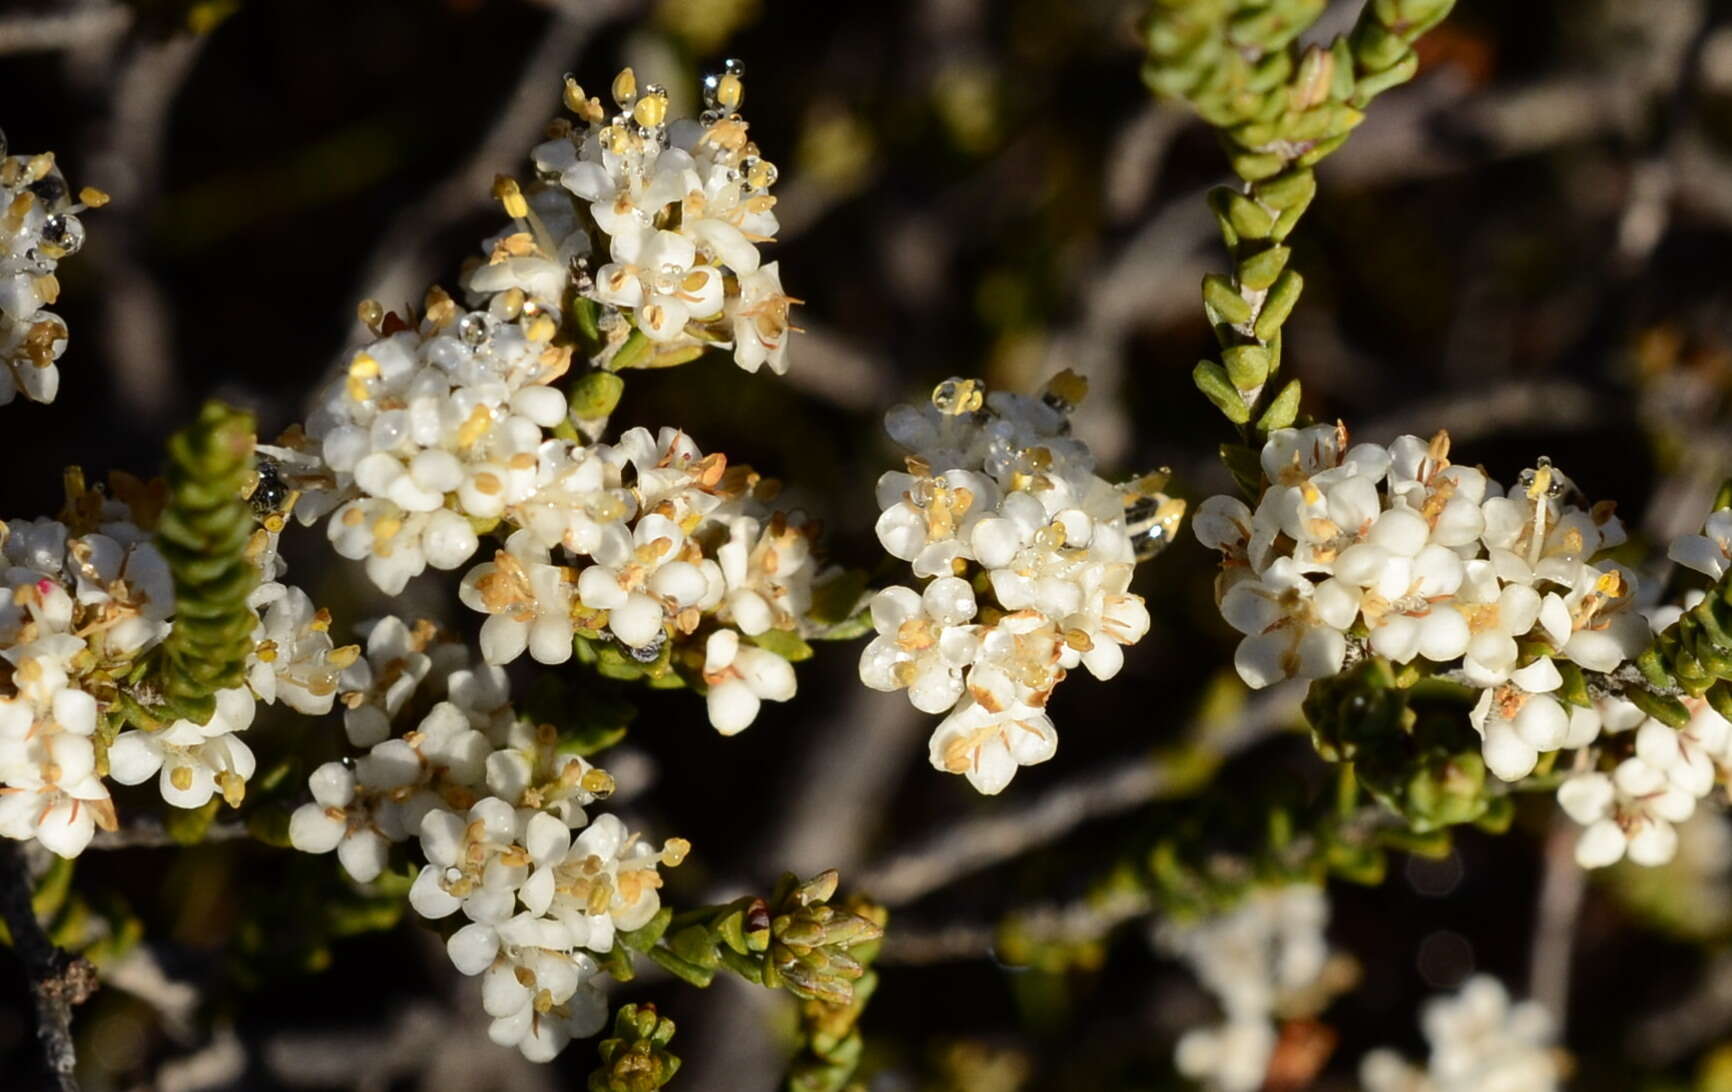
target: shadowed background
<point>1527,246</point>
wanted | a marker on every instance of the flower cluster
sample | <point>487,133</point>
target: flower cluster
<point>79,609</point>
<point>1480,1042</point>
<point>678,545</point>
<point>1710,552</point>
<point>433,429</point>
<point>1265,958</point>
<point>1632,809</point>
<point>1399,551</point>
<point>498,814</point>
<point>435,432</point>
<point>87,598</point>
<point>1027,556</point>
<point>678,207</point>
<point>38,226</point>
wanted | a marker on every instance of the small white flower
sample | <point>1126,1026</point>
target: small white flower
<point>988,746</point>
<point>528,601</point>
<point>1710,552</point>
<point>740,678</point>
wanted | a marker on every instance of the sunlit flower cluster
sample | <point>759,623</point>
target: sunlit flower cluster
<point>1480,1042</point>
<point>1401,553</point>
<point>433,428</point>
<point>498,814</point>
<point>39,225</point>
<point>679,207</point>
<point>675,540</point>
<point>87,597</point>
<point>1025,556</point>
<point>1264,959</point>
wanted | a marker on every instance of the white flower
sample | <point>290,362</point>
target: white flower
<point>924,642</point>
<point>761,323</point>
<point>330,823</point>
<point>40,227</point>
<point>1521,720</point>
<point>293,658</point>
<point>1480,1042</point>
<point>640,585</point>
<point>988,746</point>
<point>377,686</point>
<point>1630,812</point>
<point>1292,627</point>
<point>1709,552</point>
<point>740,677</point>
<point>192,762</point>
<point>528,600</point>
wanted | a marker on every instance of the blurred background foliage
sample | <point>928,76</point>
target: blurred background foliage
<point>1528,246</point>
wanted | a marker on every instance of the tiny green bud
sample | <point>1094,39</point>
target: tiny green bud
<point>1283,410</point>
<point>1212,380</point>
<point>1219,294</point>
<point>596,395</point>
<point>1247,366</point>
<point>1278,304</point>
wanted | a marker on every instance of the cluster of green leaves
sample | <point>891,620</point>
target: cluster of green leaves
<point>830,1042</point>
<point>794,940</point>
<point>636,1058</point>
<point>204,533</point>
<point>1279,109</point>
<point>1694,654</point>
<point>1408,743</point>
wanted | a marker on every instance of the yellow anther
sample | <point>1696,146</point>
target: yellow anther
<point>1066,390</point>
<point>92,197</point>
<point>506,189</point>
<point>575,100</point>
<point>650,111</point>
<point>729,91</point>
<point>598,782</point>
<point>474,427</point>
<point>625,87</point>
<point>1541,484</point>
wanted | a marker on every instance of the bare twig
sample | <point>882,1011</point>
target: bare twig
<point>58,981</point>
<point>143,79</point>
<point>1562,886</point>
<point>1666,1037</point>
<point>401,264</point>
<point>1056,923</point>
<point>151,834</point>
<point>52,30</point>
<point>968,847</point>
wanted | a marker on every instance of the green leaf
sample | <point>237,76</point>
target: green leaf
<point>1212,380</point>
<point>784,643</point>
<point>838,598</point>
<point>1282,411</point>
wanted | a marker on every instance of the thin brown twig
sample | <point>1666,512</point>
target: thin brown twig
<point>50,30</point>
<point>401,264</point>
<point>58,981</point>
<point>968,847</point>
<point>1562,886</point>
<point>152,834</point>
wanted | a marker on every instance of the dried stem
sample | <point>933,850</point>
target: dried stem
<point>968,847</point>
<point>58,981</point>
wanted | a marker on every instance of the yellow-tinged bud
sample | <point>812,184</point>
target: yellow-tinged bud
<point>650,111</point>
<point>575,100</point>
<point>625,87</point>
<point>955,397</point>
<point>511,196</point>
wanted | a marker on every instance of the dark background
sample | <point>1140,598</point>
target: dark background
<point>1527,246</point>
